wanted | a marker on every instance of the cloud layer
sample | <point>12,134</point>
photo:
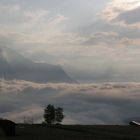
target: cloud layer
<point>123,13</point>
<point>105,103</point>
<point>103,35</point>
<point>93,42</point>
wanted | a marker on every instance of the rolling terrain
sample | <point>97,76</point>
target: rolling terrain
<point>75,132</point>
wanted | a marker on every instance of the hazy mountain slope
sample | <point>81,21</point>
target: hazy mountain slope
<point>15,66</point>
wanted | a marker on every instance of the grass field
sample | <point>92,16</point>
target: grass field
<point>75,132</point>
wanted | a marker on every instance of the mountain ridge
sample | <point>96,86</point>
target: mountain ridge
<point>15,66</point>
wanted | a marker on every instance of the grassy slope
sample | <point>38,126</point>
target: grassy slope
<point>75,132</point>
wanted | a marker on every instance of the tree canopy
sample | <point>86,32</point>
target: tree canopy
<point>53,115</point>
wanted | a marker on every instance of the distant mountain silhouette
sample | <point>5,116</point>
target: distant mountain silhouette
<point>16,66</point>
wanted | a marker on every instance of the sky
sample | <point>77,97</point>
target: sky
<point>96,42</point>
<point>93,40</point>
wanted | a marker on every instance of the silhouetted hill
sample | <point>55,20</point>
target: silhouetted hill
<point>75,132</point>
<point>15,66</point>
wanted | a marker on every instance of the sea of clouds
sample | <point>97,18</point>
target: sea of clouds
<point>97,103</point>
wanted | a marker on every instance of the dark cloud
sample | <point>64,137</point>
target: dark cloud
<point>102,26</point>
<point>129,17</point>
<point>102,37</point>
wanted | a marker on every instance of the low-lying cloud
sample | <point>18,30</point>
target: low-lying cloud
<point>104,103</point>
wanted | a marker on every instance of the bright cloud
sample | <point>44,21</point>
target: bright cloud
<point>10,8</point>
<point>30,25</point>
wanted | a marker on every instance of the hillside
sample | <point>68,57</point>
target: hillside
<point>76,132</point>
<point>16,66</point>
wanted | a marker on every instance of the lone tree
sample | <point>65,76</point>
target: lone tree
<point>49,114</point>
<point>53,115</point>
<point>59,115</point>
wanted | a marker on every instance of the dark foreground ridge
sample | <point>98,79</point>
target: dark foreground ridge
<point>7,128</point>
<point>75,132</point>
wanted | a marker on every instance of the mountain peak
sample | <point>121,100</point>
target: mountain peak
<point>11,56</point>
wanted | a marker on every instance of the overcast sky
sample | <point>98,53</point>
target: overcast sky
<point>93,40</point>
